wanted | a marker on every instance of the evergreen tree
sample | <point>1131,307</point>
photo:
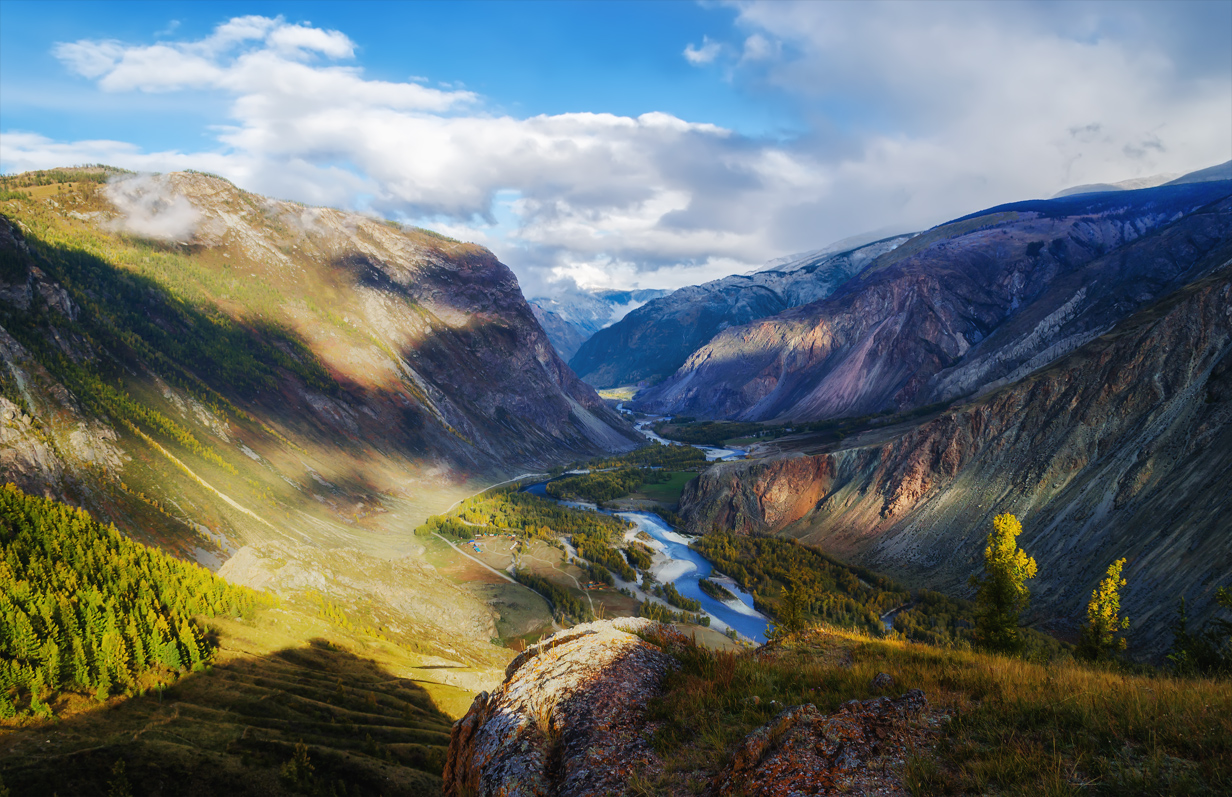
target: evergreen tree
<point>83,608</point>
<point>1002,595</point>
<point>1101,634</point>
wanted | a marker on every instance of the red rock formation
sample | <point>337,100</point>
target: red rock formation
<point>1122,448</point>
<point>804,752</point>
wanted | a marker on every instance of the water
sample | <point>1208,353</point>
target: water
<point>683,567</point>
<point>712,453</point>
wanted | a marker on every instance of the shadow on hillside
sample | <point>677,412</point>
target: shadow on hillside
<point>233,730</point>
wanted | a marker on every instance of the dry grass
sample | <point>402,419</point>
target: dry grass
<point>1014,727</point>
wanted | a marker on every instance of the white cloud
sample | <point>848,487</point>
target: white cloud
<point>758,48</point>
<point>150,207</point>
<point>917,113</point>
<point>699,56</point>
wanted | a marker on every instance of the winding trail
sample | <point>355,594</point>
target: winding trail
<point>489,487</point>
<point>570,577</point>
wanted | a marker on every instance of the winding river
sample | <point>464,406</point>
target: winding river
<point>677,563</point>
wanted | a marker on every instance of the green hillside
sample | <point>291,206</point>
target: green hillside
<point>84,609</point>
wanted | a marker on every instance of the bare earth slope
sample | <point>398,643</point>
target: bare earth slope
<point>1121,448</point>
<point>968,305</point>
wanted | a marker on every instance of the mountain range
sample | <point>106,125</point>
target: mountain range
<point>569,319</point>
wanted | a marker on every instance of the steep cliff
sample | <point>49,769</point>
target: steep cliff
<point>1121,448</point>
<point>964,307</point>
<point>651,342</point>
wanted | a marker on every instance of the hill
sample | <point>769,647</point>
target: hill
<point>1118,449</point>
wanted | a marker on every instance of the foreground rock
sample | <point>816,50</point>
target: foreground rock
<point>570,720</point>
<point>567,720</point>
<point>802,751</point>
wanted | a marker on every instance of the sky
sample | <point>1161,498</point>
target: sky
<point>620,145</point>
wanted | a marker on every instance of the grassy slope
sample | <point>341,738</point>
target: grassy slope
<point>667,493</point>
<point>1009,726</point>
<point>372,714</point>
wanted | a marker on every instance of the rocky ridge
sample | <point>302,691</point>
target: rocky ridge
<point>651,342</point>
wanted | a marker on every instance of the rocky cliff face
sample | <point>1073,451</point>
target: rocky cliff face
<point>1121,448</point>
<point>965,307</point>
<point>651,342</point>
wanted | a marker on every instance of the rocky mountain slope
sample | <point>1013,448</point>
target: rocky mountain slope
<point>964,307</point>
<point>215,371</point>
<point>653,341</point>
<point>569,320</point>
<point>1122,447</point>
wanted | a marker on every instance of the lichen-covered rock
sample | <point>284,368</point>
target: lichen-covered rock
<point>804,752</point>
<point>568,719</point>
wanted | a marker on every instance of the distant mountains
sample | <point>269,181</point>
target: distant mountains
<point>1221,172</point>
<point>968,305</point>
<point>650,343</point>
<point>571,318</point>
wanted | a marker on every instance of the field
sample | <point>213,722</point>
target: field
<point>666,493</point>
<point>623,393</point>
<point>1006,726</point>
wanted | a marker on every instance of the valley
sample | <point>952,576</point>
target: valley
<point>368,427</point>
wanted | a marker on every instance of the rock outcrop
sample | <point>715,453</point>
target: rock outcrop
<point>805,752</point>
<point>567,721</point>
<point>570,721</point>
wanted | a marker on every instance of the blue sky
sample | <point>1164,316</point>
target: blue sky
<point>620,144</point>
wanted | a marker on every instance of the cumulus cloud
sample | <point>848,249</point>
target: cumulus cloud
<point>911,114</point>
<point>699,56</point>
<point>150,207</point>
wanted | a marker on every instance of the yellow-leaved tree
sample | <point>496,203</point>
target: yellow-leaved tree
<point>1002,593</point>
<point>1101,634</point>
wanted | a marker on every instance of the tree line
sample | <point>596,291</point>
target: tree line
<point>83,608</point>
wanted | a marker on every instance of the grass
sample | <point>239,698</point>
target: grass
<point>668,492</point>
<point>623,393</point>
<point>368,714</point>
<point>1013,727</point>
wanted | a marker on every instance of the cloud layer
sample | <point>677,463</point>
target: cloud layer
<point>913,113</point>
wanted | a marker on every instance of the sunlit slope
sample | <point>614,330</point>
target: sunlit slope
<point>111,651</point>
<point>265,371</point>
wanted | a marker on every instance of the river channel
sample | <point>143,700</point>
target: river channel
<point>677,563</point>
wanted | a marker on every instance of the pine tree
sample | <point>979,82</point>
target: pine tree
<point>1100,636</point>
<point>1002,594</point>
